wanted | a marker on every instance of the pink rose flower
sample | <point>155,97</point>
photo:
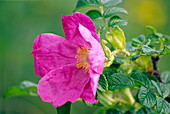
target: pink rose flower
<point>70,68</point>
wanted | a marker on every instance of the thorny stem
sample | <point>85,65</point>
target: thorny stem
<point>155,68</point>
<point>157,74</point>
<point>102,12</point>
<point>101,9</point>
<point>98,33</point>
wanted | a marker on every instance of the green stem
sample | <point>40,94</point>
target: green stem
<point>105,100</point>
<point>161,43</point>
<point>64,109</point>
<point>103,18</point>
<point>101,9</point>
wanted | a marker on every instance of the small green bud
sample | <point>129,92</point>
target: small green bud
<point>108,54</point>
<point>116,38</point>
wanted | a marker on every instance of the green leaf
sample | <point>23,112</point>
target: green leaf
<point>130,111</point>
<point>110,3</point>
<point>152,29</point>
<point>113,111</point>
<point>139,41</point>
<point>147,50</point>
<point>25,88</point>
<point>119,81</point>
<point>114,10</point>
<point>162,106</point>
<point>167,38</point>
<point>116,21</point>
<point>94,14</point>
<point>166,76</point>
<point>64,109</point>
<point>144,110</point>
<point>100,27</point>
<point>86,3</point>
<point>118,62</point>
<point>88,104</point>
<point>116,38</point>
<point>141,38</point>
<point>162,89</point>
<point>27,84</point>
<point>153,38</point>
<point>135,57</point>
<point>141,79</point>
<point>166,50</point>
<point>103,84</point>
<point>120,24</point>
<point>146,97</point>
<point>15,91</point>
<point>159,34</point>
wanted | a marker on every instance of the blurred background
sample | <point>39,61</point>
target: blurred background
<point>21,21</point>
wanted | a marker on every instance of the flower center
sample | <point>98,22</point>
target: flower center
<point>82,58</point>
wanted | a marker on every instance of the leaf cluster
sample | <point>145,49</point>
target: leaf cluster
<point>154,44</point>
<point>104,10</point>
<point>150,95</point>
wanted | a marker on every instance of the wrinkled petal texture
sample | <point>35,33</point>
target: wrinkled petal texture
<point>71,24</point>
<point>89,92</point>
<point>62,85</point>
<point>51,51</point>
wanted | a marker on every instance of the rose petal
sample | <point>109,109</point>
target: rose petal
<point>97,58</point>
<point>89,92</point>
<point>87,22</point>
<point>52,51</point>
<point>71,24</point>
<point>62,85</point>
<point>96,55</point>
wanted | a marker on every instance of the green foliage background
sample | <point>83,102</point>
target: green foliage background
<point>22,21</point>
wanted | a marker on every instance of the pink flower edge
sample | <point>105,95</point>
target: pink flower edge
<point>55,62</point>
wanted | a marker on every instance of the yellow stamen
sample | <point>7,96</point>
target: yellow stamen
<point>82,58</point>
